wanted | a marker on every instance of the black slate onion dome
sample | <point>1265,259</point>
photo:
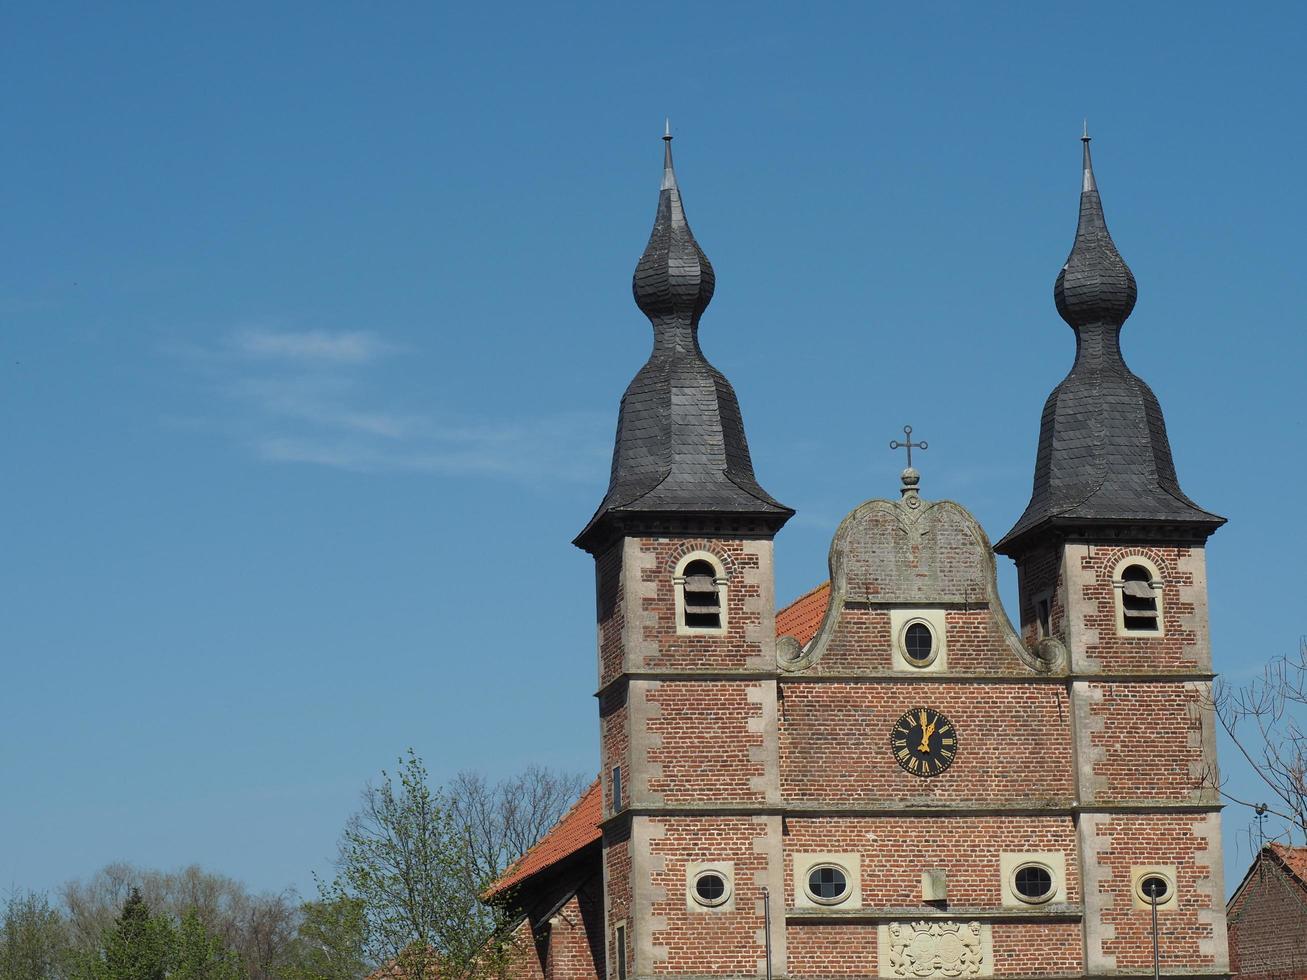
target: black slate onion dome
<point>1095,286</point>
<point>680,455</point>
<point>673,282</point>
<point>1104,458</point>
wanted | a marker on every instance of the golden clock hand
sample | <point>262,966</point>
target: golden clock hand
<point>926,729</point>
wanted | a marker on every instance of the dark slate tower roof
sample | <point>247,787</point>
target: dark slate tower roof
<point>681,452</point>
<point>1103,459</point>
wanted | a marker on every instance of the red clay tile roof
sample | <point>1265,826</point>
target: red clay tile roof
<point>578,827</point>
<point>801,618</point>
<point>1294,858</point>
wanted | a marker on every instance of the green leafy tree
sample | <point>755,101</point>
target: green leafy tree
<point>34,941</point>
<point>329,944</point>
<point>259,927</point>
<point>139,946</point>
<point>201,956</point>
<point>405,858</point>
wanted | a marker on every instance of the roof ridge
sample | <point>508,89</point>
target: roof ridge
<point>811,592</point>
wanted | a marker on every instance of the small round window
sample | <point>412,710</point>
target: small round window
<point>828,884</point>
<point>918,644</point>
<point>711,888</point>
<point>1154,889</point>
<point>1033,883</point>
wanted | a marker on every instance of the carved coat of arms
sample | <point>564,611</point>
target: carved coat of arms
<point>936,949</point>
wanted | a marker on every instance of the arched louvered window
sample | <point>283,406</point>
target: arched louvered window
<point>1138,589</point>
<point>700,584</point>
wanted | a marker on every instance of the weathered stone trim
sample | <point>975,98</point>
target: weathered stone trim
<point>767,784</point>
<point>1212,888</point>
<point>1094,841</point>
<point>641,710</point>
<point>770,842</point>
<point>637,643</point>
<point>645,896</point>
<point>1088,722</point>
<point>919,677</point>
<point>806,811</point>
<point>1063,913</point>
<point>1194,564</point>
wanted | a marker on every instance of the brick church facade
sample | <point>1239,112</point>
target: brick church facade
<point>887,778</point>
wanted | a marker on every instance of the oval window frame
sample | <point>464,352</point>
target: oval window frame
<point>1026,899</point>
<point>1164,899</point>
<point>717,902</point>
<point>813,896</point>
<point>935,645</point>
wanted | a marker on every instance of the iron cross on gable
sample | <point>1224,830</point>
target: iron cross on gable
<point>908,444</point>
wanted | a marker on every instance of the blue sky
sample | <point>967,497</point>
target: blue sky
<point>315,318</point>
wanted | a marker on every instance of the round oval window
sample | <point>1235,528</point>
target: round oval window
<point>710,888</point>
<point>918,643</point>
<point>1154,889</point>
<point>1033,883</point>
<point>827,884</point>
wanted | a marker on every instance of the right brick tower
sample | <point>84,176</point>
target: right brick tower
<point>1110,555</point>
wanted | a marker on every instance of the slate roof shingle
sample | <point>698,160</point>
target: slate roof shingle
<point>1103,451</point>
<point>680,445</point>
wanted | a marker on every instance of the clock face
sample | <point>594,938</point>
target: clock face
<point>924,742</point>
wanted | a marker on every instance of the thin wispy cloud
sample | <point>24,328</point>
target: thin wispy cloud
<point>312,346</point>
<point>316,398</point>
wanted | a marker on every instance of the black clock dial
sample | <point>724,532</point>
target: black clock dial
<point>924,742</point>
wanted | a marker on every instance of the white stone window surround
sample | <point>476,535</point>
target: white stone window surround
<point>1118,591</point>
<point>1142,871</point>
<point>849,864</point>
<point>933,620</point>
<point>1009,863</point>
<point>722,582</point>
<point>697,869</point>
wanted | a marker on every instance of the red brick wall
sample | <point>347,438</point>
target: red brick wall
<point>845,950</point>
<point>1179,649</point>
<point>1268,926</point>
<point>1147,745</point>
<point>617,891</point>
<point>1014,742</point>
<point>1132,840</point>
<point>1039,574</point>
<point>610,611</point>
<point>570,953</point>
<point>895,850</point>
<point>706,750</point>
<point>1044,950</point>
<point>861,643</point>
<point>741,648</point>
<point>525,954</point>
<point>615,744</point>
<point>709,940</point>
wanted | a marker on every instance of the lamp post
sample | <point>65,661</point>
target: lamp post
<point>766,927</point>
<point>1153,896</point>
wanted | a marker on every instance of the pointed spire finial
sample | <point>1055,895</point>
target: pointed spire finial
<point>669,174</point>
<point>1089,183</point>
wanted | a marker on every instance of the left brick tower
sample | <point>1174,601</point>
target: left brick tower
<point>682,543</point>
